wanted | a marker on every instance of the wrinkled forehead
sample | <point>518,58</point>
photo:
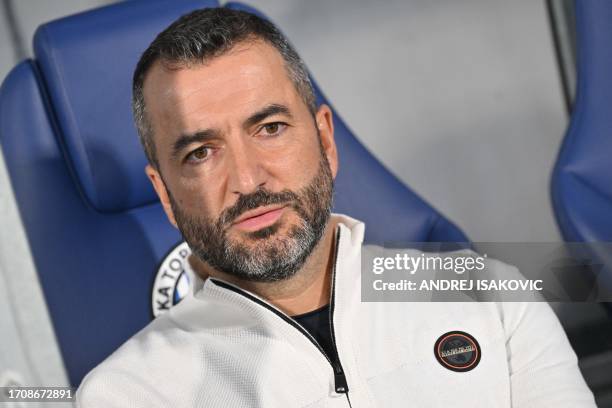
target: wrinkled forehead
<point>218,91</point>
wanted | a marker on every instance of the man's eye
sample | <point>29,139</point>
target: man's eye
<point>199,154</point>
<point>273,129</point>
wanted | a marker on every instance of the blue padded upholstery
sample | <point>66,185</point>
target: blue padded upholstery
<point>92,101</point>
<point>582,178</point>
<point>76,167</point>
<point>95,228</point>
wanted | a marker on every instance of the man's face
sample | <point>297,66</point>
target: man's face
<point>247,170</point>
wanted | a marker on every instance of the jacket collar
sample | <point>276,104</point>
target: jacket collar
<point>228,303</point>
<point>351,233</point>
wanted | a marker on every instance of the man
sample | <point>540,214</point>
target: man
<point>243,163</point>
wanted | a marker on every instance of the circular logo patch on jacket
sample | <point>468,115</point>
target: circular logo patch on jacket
<point>457,351</point>
<point>173,279</point>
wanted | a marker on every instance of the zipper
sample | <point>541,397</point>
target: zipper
<point>340,383</point>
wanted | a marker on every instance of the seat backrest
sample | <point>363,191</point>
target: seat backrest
<point>97,233</point>
<point>581,184</point>
<point>582,178</point>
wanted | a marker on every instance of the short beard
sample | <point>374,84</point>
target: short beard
<point>274,258</point>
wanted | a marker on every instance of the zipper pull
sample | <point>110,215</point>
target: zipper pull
<point>340,381</point>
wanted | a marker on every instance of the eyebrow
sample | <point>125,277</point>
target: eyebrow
<point>269,110</point>
<point>185,140</point>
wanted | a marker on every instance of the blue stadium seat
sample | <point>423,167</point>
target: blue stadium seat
<point>94,225</point>
<point>582,179</point>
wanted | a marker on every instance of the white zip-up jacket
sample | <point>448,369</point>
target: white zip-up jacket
<point>225,347</point>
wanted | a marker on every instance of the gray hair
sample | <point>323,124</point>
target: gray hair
<point>206,34</point>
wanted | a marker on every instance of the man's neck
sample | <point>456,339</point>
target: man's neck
<point>307,290</point>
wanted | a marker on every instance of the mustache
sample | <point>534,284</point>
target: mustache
<point>259,198</point>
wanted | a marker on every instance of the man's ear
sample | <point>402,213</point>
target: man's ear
<point>325,123</point>
<point>162,193</point>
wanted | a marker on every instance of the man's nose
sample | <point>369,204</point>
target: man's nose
<point>245,173</point>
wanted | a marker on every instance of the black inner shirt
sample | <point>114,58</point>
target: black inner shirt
<point>316,322</point>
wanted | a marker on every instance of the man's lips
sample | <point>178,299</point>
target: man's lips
<point>259,218</point>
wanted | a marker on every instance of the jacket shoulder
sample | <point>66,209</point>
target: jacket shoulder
<point>146,369</point>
